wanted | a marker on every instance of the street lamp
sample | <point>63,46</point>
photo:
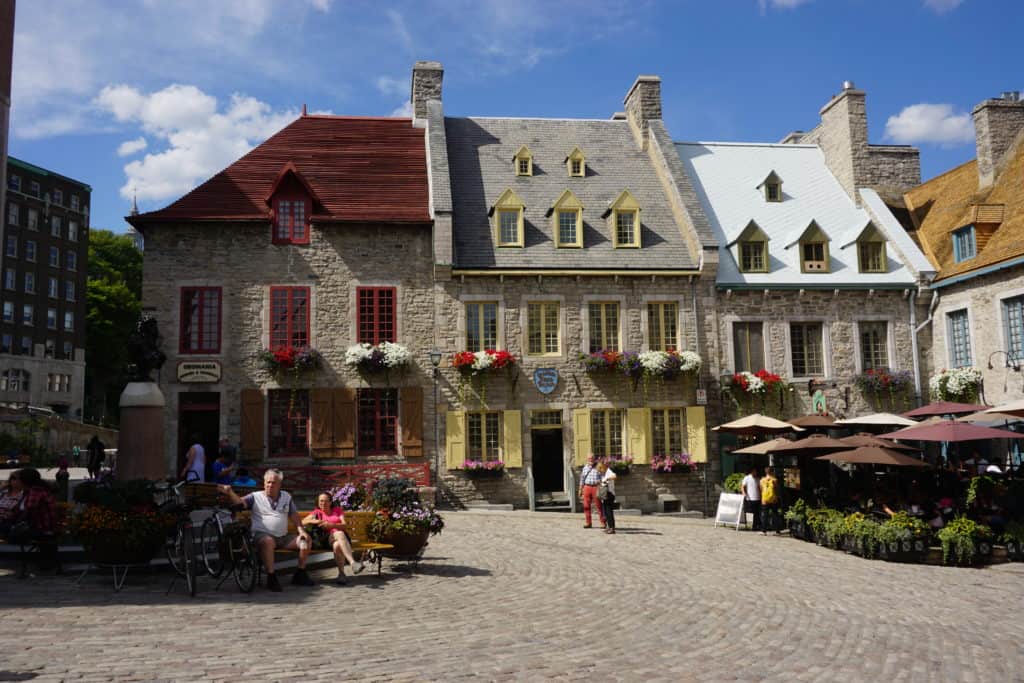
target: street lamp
<point>435,360</point>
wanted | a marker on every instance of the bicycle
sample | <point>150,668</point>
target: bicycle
<point>180,545</point>
<point>228,546</point>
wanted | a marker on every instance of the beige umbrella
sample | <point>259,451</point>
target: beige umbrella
<point>756,424</point>
<point>879,420</point>
<point>763,448</point>
<point>989,417</point>
<point>814,444</point>
<point>1015,408</point>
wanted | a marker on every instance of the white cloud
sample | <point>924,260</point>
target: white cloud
<point>200,137</point>
<point>942,6</point>
<point>130,147</point>
<point>930,123</point>
<point>387,85</point>
<point>403,111</point>
<point>765,5</point>
<point>321,5</point>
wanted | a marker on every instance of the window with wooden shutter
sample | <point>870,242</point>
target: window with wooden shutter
<point>513,431</point>
<point>411,417</point>
<point>251,444</point>
<point>581,435</point>
<point>343,407</point>
<point>455,437</point>
<point>696,433</point>
<point>321,419</point>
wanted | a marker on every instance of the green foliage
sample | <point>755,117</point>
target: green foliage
<point>797,512</point>
<point>392,493</point>
<point>119,496</point>
<point>865,532</point>
<point>1014,532</point>
<point>733,482</point>
<point>113,299</point>
<point>958,539</point>
<point>901,527</point>
<point>982,486</point>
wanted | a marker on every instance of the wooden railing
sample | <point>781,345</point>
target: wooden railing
<point>320,477</point>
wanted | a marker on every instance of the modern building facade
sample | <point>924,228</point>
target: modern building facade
<point>44,270</point>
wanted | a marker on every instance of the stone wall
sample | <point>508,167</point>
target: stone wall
<point>983,297</point>
<point>242,260</point>
<point>996,125</point>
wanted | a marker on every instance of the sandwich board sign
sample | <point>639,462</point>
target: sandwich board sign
<point>730,510</point>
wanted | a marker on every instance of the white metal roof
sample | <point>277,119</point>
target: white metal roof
<point>726,177</point>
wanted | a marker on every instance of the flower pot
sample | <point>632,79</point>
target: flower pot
<point>406,545</point>
<point>484,474</point>
<point>983,551</point>
<point>1015,551</point>
<point>110,549</point>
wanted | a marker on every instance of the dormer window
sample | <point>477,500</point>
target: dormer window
<point>871,256</point>
<point>567,220</point>
<point>964,246</point>
<point>576,163</point>
<point>624,221</point>
<point>507,213</point>
<point>772,187</point>
<point>291,201</point>
<point>751,249</point>
<point>523,161</point>
<point>814,257</point>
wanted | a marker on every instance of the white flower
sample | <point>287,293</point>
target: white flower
<point>755,385</point>
<point>483,360</point>
<point>395,355</point>
<point>958,381</point>
<point>653,362</point>
<point>357,353</point>
<point>691,362</point>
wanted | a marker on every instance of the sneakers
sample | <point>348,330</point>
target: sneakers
<point>358,567</point>
<point>272,583</point>
<point>341,580</point>
<point>301,578</point>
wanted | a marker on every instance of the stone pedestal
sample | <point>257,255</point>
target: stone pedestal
<point>140,452</point>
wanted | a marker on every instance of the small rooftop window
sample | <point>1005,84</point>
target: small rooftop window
<point>523,161</point>
<point>772,186</point>
<point>576,163</point>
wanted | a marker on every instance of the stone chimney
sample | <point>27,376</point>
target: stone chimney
<point>996,124</point>
<point>426,85</point>
<point>643,104</point>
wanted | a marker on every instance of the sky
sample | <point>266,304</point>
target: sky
<point>152,97</point>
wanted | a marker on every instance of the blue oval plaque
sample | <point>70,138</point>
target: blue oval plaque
<point>546,379</point>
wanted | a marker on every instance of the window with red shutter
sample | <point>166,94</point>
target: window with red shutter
<point>289,422</point>
<point>378,421</point>
<point>376,314</point>
<point>289,317</point>
<point>291,220</point>
<point>200,320</point>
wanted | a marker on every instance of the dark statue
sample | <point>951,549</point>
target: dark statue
<point>144,351</point>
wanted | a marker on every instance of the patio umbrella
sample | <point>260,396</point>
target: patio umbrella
<point>951,431</point>
<point>873,455</point>
<point>870,440</point>
<point>987,418</point>
<point>878,420</point>
<point>812,445</point>
<point>944,408</point>
<point>756,424</point>
<point>1015,408</point>
<point>763,448</point>
<point>813,421</point>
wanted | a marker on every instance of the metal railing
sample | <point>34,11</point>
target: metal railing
<point>529,488</point>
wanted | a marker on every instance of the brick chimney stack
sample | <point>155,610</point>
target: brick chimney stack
<point>996,123</point>
<point>643,104</point>
<point>426,85</point>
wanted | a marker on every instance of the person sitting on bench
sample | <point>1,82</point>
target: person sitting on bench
<point>271,509</point>
<point>332,521</point>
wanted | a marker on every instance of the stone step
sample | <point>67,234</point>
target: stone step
<point>503,507</point>
<point>685,514</point>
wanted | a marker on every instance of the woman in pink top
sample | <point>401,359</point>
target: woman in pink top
<point>332,519</point>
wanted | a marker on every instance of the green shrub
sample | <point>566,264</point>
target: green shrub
<point>980,487</point>
<point>797,512</point>
<point>820,518</point>
<point>959,537</point>
<point>866,532</point>
<point>1014,532</point>
<point>733,482</point>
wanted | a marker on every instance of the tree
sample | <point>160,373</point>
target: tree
<point>113,299</point>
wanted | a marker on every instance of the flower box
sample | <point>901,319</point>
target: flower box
<point>958,384</point>
<point>483,468</point>
<point>675,463</point>
<point>620,466</point>
<point>474,363</point>
<point>603,361</point>
<point>668,364</point>
<point>756,383</point>
<point>1014,551</point>
<point>293,360</point>
<point>380,358</point>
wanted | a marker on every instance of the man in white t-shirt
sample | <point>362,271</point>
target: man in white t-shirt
<point>271,509</point>
<point>751,490</point>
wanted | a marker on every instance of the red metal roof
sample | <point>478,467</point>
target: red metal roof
<point>361,169</point>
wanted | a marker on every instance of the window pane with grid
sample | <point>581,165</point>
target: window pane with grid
<point>482,429</point>
<point>606,432</point>
<point>283,229</point>
<point>289,421</point>
<point>289,317</point>
<point>1013,318</point>
<point>625,227</point>
<point>200,319</point>
<point>661,326</point>
<point>481,326</point>
<point>752,256</point>
<point>378,421</point>
<point>806,351</point>
<point>874,345</point>
<point>960,340</point>
<point>577,167</point>
<point>814,251</point>
<point>509,222</point>
<point>546,417</point>
<point>604,326</point>
<point>376,314</point>
<point>871,260</point>
<point>542,327</point>
<point>524,166</point>
<point>567,227</point>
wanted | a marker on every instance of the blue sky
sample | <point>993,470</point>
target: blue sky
<point>156,96</point>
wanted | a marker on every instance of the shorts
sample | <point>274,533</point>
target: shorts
<point>279,541</point>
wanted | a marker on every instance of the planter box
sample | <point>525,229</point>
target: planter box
<point>1015,551</point>
<point>484,474</point>
<point>908,550</point>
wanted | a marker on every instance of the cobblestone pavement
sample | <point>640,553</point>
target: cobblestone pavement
<point>521,596</point>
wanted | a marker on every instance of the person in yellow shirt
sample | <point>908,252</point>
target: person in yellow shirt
<point>769,502</point>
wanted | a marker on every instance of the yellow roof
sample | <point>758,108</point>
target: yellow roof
<point>949,201</point>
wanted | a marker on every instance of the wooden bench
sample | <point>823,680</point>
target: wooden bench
<point>357,524</point>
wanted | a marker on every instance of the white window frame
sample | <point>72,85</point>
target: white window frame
<point>890,341</point>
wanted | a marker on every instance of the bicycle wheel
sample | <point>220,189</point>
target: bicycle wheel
<point>189,554</point>
<point>210,547</point>
<point>175,550</point>
<point>243,562</point>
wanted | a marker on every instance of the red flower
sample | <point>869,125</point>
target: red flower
<point>285,356</point>
<point>463,359</point>
<point>502,359</point>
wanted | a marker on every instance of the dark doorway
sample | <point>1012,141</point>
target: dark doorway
<point>548,462</point>
<point>198,413</point>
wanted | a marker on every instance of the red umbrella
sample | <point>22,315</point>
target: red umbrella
<point>951,431</point>
<point>944,408</point>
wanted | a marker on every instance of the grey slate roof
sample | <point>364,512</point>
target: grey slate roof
<point>480,152</point>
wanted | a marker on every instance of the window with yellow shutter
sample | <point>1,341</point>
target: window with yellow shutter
<point>483,436</point>
<point>606,433</point>
<point>667,429</point>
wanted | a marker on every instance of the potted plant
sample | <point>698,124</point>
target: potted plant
<point>471,364</point>
<point>733,482</point>
<point>1013,537</point>
<point>864,532</point>
<point>756,383</point>
<point>880,381</point>
<point>668,364</point>
<point>383,357</point>
<point>958,384</point>
<point>672,463</point>
<point>603,361</point>
<point>290,360</point>
<point>119,524</point>
<point>400,518</point>
<point>483,468</point>
<point>965,542</point>
<point>348,497</point>
<point>903,538</point>
<point>796,518</point>
<point>620,466</point>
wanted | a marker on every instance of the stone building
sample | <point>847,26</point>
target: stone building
<point>320,237</point>
<point>817,282</point>
<point>970,223</point>
<point>44,266</point>
<point>556,238</point>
